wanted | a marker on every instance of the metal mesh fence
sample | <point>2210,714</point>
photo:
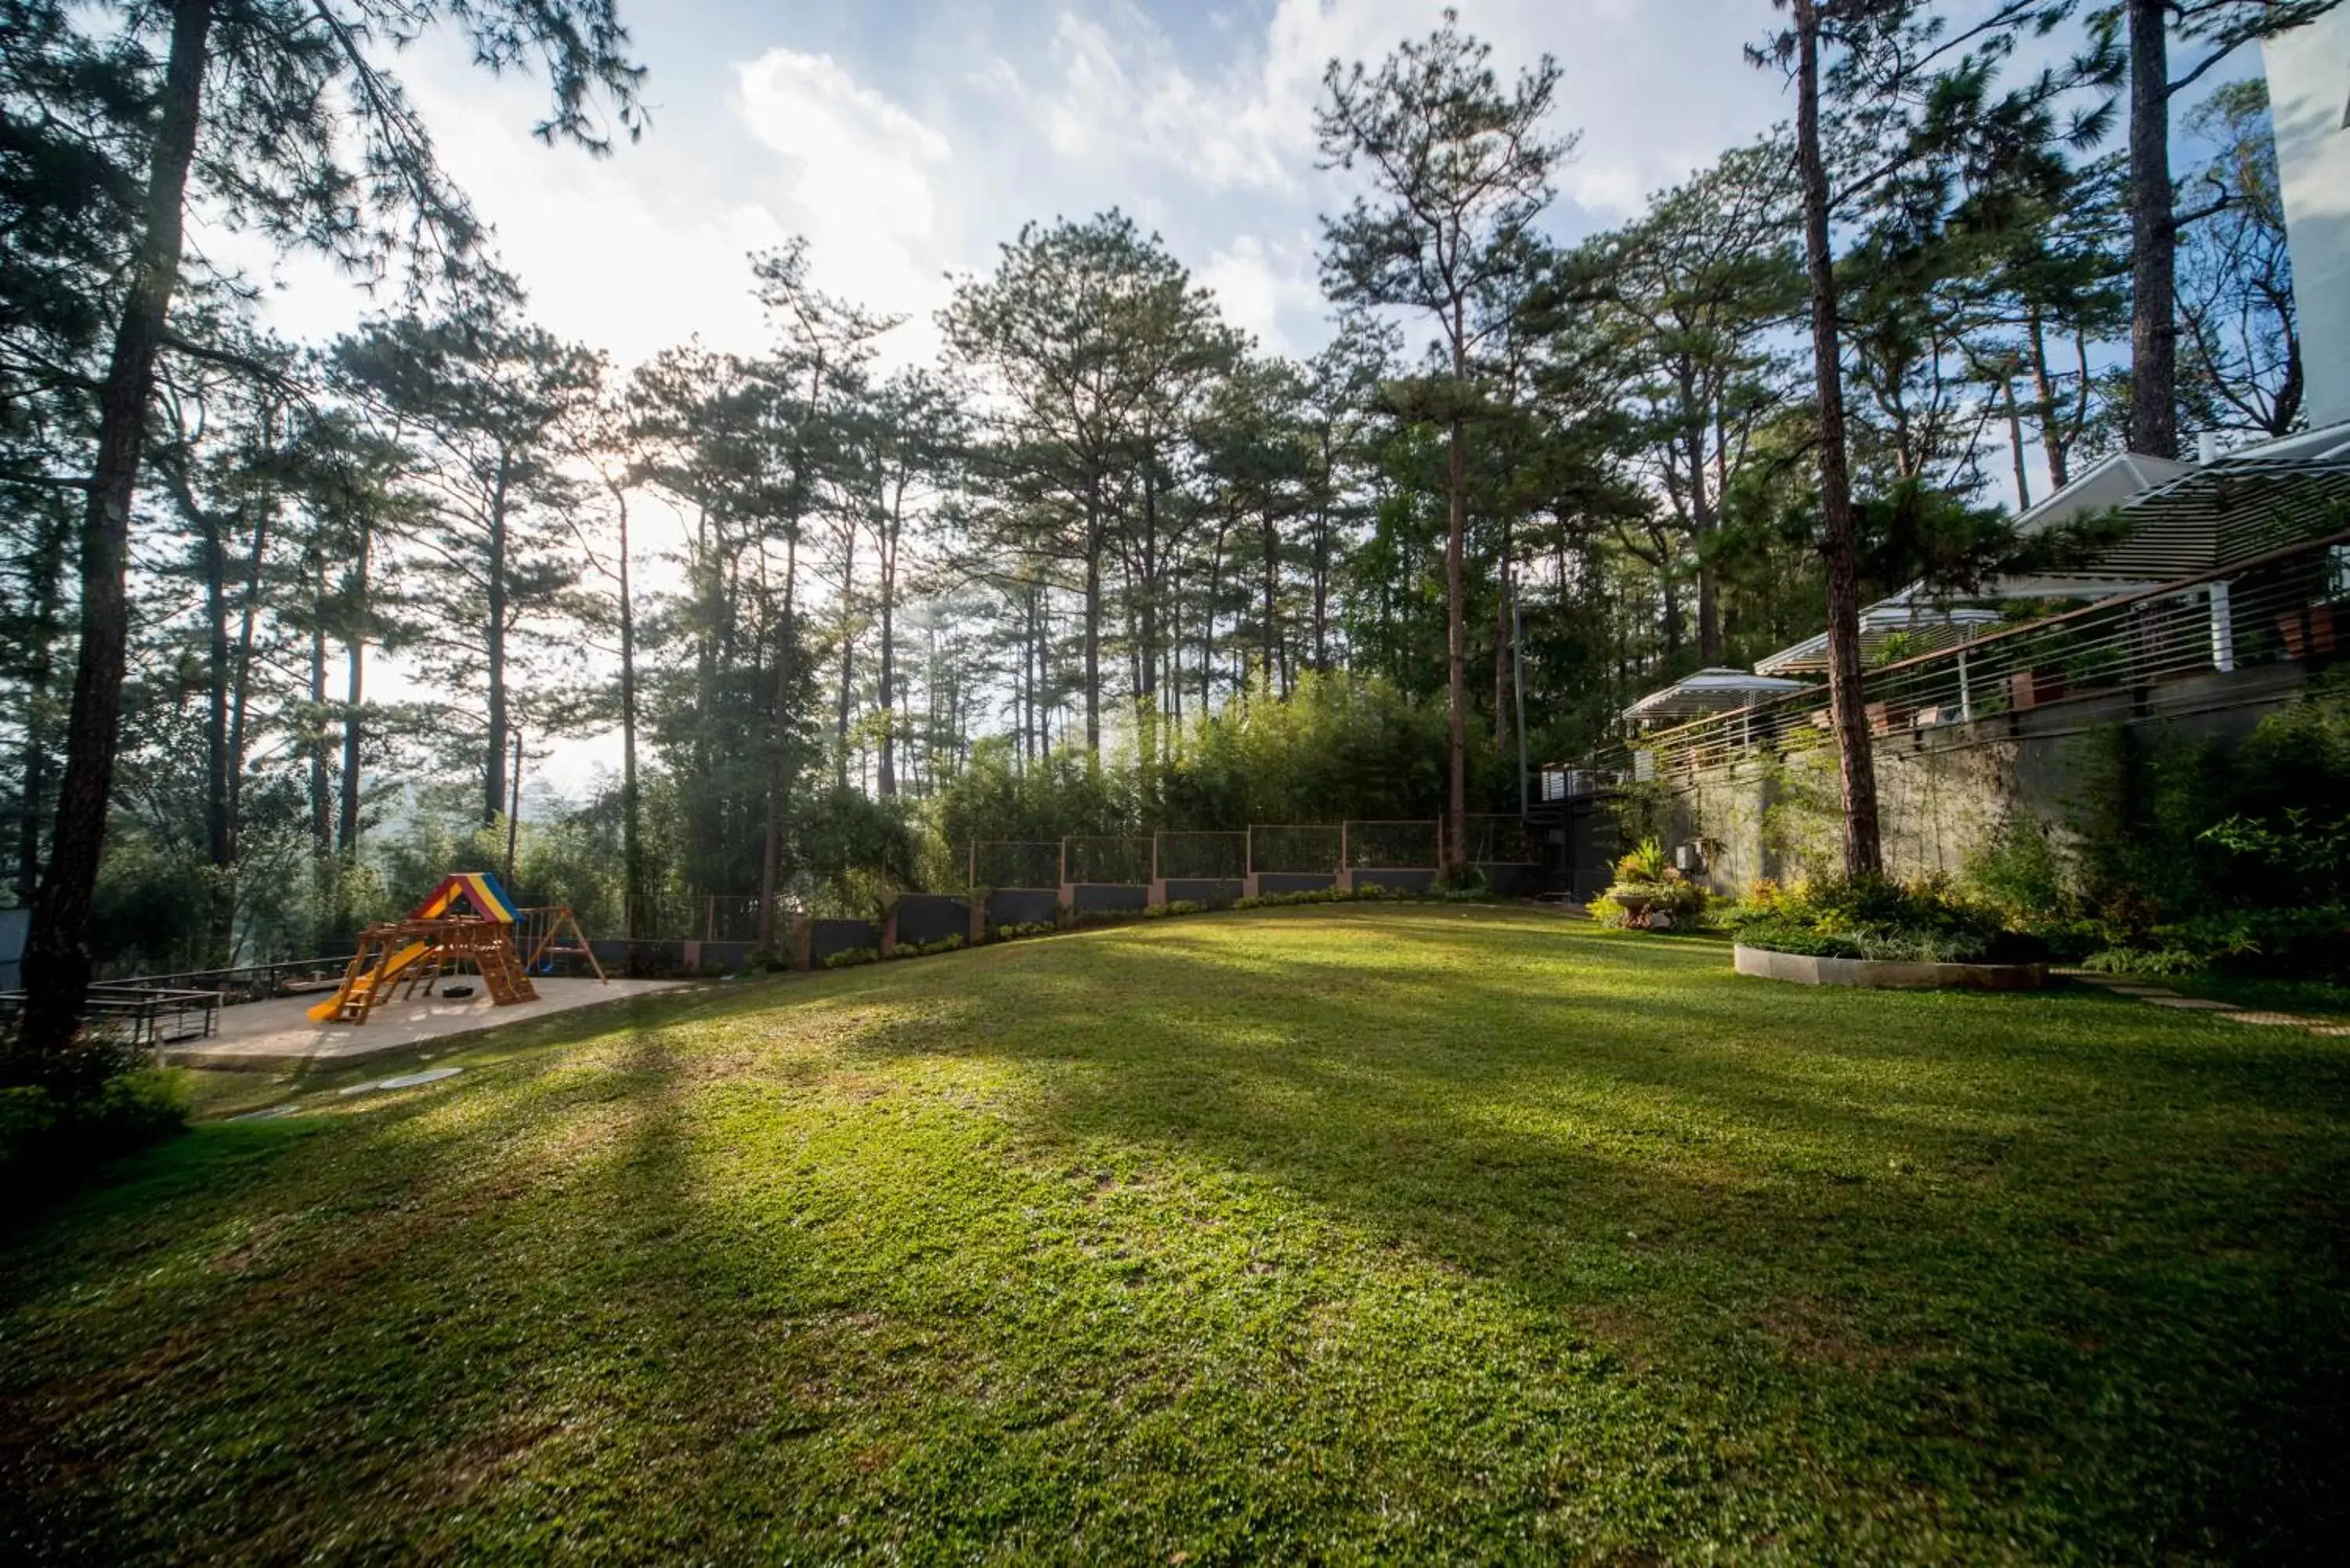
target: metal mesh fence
<point>1498,840</point>
<point>692,918</point>
<point>1101,858</point>
<point>1295,849</point>
<point>1012,863</point>
<point>1392,844</point>
<point>1202,856</point>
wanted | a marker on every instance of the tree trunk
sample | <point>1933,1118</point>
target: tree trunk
<point>219,853</point>
<point>847,657</point>
<point>887,784</point>
<point>347,825</point>
<point>771,848</point>
<point>1863,855</point>
<point>2015,446</point>
<point>58,962</point>
<point>322,778</point>
<point>1456,656</point>
<point>47,569</point>
<point>1093,625</point>
<point>632,850</point>
<point>493,644</point>
<point>2054,445</point>
<point>2154,240</point>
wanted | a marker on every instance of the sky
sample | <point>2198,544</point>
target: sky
<point>908,139</point>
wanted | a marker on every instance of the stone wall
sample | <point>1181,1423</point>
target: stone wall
<point>1945,791</point>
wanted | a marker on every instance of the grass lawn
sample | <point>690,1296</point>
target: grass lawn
<point>1405,1233</point>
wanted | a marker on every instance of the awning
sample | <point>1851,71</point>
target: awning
<point>1715,691</point>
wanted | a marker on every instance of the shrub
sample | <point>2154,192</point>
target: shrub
<point>1172,907</point>
<point>1878,918</point>
<point>2146,962</point>
<point>850,958</point>
<point>47,1134</point>
<point>927,950</point>
<point>1025,929</point>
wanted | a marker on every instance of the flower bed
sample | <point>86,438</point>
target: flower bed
<point>1877,933</point>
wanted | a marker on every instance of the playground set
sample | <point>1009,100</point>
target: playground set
<point>468,921</point>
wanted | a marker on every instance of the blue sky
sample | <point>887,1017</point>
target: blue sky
<point>907,139</point>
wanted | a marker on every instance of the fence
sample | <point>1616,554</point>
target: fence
<point>1201,856</point>
<point>1392,844</point>
<point>1497,841</point>
<point>1296,849</point>
<point>1103,859</point>
<point>2288,605</point>
<point>1006,863</point>
<point>723,918</point>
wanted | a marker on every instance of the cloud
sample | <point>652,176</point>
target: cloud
<point>1260,285</point>
<point>863,180</point>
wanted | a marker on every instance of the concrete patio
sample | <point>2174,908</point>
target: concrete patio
<point>276,1035</point>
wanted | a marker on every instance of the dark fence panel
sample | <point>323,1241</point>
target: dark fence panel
<point>1022,906</point>
<point>1294,881</point>
<point>1209,890</point>
<point>827,938</point>
<point>1511,878</point>
<point>931,918</point>
<point>1103,897</point>
<point>1403,878</point>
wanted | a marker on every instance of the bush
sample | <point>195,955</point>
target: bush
<point>1172,907</point>
<point>927,950</point>
<point>1878,918</point>
<point>47,1136</point>
<point>2151,963</point>
<point>850,958</point>
<point>1025,928</point>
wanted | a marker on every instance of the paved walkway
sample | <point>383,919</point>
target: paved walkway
<point>274,1035</point>
<point>2157,996</point>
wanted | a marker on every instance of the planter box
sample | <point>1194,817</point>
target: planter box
<point>1889,975</point>
<point>2308,634</point>
<point>2030,688</point>
<point>1884,718</point>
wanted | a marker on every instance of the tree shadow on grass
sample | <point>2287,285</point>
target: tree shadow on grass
<point>2023,1250</point>
<point>1153,1237</point>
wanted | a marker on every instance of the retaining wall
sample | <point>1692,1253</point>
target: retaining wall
<point>1292,881</point>
<point>1213,892</point>
<point>827,938</point>
<point>926,918</point>
<point>1023,906</point>
<point>1403,878</point>
<point>1105,897</point>
<point>1945,791</point>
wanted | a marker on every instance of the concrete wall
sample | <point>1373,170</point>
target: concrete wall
<point>926,918</point>
<point>2309,103</point>
<point>1023,906</point>
<point>1946,791</point>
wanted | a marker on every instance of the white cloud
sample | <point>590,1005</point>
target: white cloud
<point>863,183</point>
<point>1258,283</point>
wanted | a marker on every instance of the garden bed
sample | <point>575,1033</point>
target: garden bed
<point>1889,974</point>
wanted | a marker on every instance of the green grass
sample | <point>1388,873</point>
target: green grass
<point>1394,1233</point>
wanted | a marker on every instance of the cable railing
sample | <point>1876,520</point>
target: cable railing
<point>2286,606</point>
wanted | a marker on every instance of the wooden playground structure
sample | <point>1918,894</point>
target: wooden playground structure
<point>466,922</point>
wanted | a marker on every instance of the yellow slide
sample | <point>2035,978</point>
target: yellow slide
<point>366,983</point>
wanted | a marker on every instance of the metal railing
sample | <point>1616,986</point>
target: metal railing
<point>2277,608</point>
